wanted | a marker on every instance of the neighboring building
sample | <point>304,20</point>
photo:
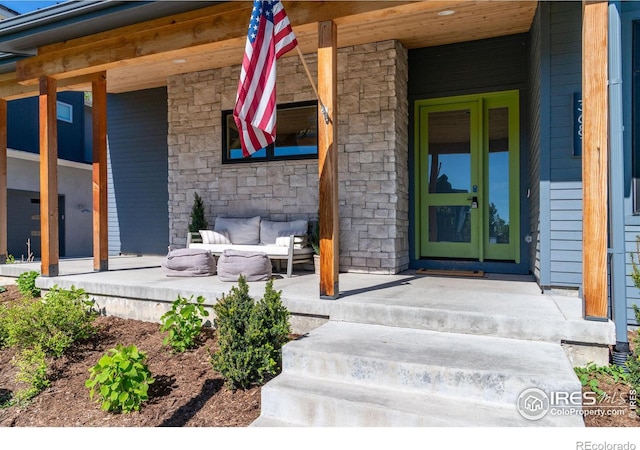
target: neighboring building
<point>459,139</point>
<point>74,177</point>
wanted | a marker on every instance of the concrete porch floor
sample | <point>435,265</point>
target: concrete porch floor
<point>494,305</point>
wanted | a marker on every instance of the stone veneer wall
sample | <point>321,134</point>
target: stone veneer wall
<point>372,152</point>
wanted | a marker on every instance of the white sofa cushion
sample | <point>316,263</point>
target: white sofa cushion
<point>270,230</point>
<point>215,237</point>
<point>241,231</point>
<point>271,250</point>
<point>285,239</point>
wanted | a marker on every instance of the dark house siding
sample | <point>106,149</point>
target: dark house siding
<point>138,172</point>
<point>537,87</point>
<point>23,127</point>
<point>487,65</point>
<point>565,170</point>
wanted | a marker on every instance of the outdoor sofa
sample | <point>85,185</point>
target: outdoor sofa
<point>279,240</point>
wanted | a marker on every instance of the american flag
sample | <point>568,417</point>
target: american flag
<point>270,36</point>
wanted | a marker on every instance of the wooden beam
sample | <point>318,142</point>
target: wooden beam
<point>328,160</point>
<point>99,115</point>
<point>594,158</point>
<point>195,31</point>
<point>10,89</point>
<point>48,178</point>
<point>3,182</point>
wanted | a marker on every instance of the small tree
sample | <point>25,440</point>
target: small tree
<point>198,221</point>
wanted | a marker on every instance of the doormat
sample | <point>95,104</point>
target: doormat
<point>452,273</point>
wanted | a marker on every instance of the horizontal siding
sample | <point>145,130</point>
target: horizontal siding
<point>633,293</point>
<point>139,171</point>
<point>469,67</point>
<point>565,208</point>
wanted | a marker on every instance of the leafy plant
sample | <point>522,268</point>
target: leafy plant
<point>27,284</point>
<point>120,380</point>
<point>198,220</point>
<point>32,370</point>
<point>250,336</point>
<point>183,323</point>
<point>633,362</point>
<point>592,375</point>
<point>52,323</point>
<point>314,238</point>
<point>10,259</point>
<point>4,326</point>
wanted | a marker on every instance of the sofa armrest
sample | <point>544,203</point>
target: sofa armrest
<point>193,237</point>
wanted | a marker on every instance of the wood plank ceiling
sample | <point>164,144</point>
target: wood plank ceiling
<point>142,56</point>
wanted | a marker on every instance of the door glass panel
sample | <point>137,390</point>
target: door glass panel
<point>449,151</point>
<point>449,224</point>
<point>498,161</point>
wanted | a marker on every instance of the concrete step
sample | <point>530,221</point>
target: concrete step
<point>290,400</point>
<point>525,317</point>
<point>426,362</point>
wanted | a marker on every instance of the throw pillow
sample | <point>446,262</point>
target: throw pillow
<point>215,237</point>
<point>241,231</point>
<point>270,230</point>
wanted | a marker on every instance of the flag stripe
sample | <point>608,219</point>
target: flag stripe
<point>269,37</point>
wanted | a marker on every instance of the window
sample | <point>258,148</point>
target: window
<point>296,137</point>
<point>65,112</point>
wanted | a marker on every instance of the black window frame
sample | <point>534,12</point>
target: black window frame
<point>270,152</point>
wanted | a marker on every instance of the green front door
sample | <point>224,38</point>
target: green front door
<point>467,199</point>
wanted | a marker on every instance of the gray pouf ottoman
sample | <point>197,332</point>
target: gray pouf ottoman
<point>255,266</point>
<point>189,262</point>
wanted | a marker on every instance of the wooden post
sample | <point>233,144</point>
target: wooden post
<point>49,178</point>
<point>99,114</point>
<point>328,160</point>
<point>594,158</point>
<point>3,181</point>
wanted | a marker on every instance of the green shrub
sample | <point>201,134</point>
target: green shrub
<point>27,284</point>
<point>250,336</point>
<point>592,375</point>
<point>52,323</point>
<point>10,259</point>
<point>183,323</point>
<point>120,380</point>
<point>32,370</point>
<point>198,220</point>
<point>4,326</point>
<point>633,362</point>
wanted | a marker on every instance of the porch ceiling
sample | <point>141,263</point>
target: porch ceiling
<point>142,56</point>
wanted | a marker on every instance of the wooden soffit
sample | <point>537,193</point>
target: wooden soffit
<point>143,55</point>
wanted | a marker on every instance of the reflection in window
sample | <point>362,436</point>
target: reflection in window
<point>449,151</point>
<point>498,176</point>
<point>296,137</point>
<point>450,224</point>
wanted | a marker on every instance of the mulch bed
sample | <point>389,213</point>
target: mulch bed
<point>187,391</point>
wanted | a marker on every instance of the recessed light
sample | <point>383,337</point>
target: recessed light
<point>446,12</point>
<point>179,61</point>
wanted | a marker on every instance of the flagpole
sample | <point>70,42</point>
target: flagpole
<point>323,109</point>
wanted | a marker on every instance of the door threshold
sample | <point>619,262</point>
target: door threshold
<point>452,273</point>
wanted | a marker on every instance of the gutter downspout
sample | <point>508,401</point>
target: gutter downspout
<point>617,250</point>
